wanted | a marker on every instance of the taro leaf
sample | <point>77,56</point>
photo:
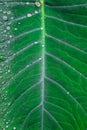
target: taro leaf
<point>43,65</point>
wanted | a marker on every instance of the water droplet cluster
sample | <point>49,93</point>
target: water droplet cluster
<point>6,16</point>
<point>5,40</point>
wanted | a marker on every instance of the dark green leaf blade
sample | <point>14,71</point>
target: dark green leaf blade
<point>44,72</point>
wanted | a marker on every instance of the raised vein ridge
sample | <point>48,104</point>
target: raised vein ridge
<point>43,62</point>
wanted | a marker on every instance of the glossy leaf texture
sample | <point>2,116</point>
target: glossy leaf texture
<point>43,65</point>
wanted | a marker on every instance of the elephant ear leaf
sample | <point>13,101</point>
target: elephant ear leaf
<point>43,65</point>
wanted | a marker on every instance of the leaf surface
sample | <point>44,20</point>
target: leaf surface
<point>43,65</point>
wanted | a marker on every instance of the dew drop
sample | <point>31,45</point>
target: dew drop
<point>0,10</point>
<point>8,27</point>
<point>14,128</point>
<point>5,18</point>
<point>8,71</point>
<point>36,12</point>
<point>27,66</point>
<point>9,104</point>
<point>6,92</point>
<point>43,45</point>
<point>6,126</point>
<point>4,12</point>
<point>10,36</point>
<point>35,42</point>
<point>8,42</point>
<point>9,23</point>
<point>6,122</point>
<point>40,58</point>
<point>27,3</point>
<point>0,77</point>
<point>9,12</point>
<point>41,28</point>
<point>29,15</point>
<point>4,31</point>
<point>14,54</point>
<point>19,23</point>
<point>67,92</point>
<point>15,29</point>
<point>12,18</point>
<point>37,4</point>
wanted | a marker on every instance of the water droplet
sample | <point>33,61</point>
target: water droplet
<point>67,92</point>
<point>14,128</point>
<point>9,12</point>
<point>40,58</point>
<point>8,27</point>
<point>8,42</point>
<point>5,31</point>
<point>4,119</point>
<point>9,104</point>
<point>41,28</point>
<point>12,18</point>
<point>19,23</point>
<point>37,4</point>
<point>0,77</point>
<point>36,12</point>
<point>0,10</point>
<point>27,66</point>
<point>43,45</point>
<point>6,122</point>
<point>4,12</point>
<point>14,54</point>
<point>35,42</point>
<point>15,29</point>
<point>6,92</point>
<point>5,18</point>
<point>29,15</point>
<point>27,3</point>
<point>9,23</point>
<point>10,36</point>
<point>6,126</point>
<point>8,71</point>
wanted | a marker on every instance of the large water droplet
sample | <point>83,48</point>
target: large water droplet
<point>8,27</point>
<point>37,4</point>
<point>5,18</point>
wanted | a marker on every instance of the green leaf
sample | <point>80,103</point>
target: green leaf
<point>43,65</point>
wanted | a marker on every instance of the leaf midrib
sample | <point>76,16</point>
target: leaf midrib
<point>43,62</point>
